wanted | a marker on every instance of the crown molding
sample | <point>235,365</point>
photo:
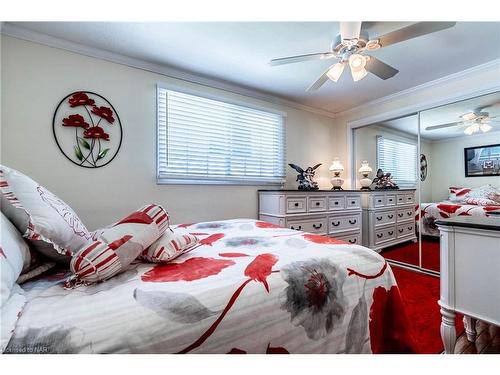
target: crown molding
<point>493,66</point>
<point>22,33</point>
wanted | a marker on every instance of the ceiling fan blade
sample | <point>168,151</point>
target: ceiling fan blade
<point>320,81</point>
<point>299,58</point>
<point>443,126</point>
<point>413,31</point>
<point>380,68</point>
<point>349,30</point>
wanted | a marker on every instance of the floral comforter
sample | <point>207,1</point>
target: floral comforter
<point>430,212</point>
<point>249,287</point>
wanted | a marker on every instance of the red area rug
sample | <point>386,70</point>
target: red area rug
<point>408,253</point>
<point>420,293</point>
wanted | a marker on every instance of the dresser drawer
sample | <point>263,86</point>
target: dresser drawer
<point>379,200</point>
<point>405,214</point>
<point>409,198</point>
<point>390,200</point>
<point>316,204</point>
<point>336,203</point>
<point>343,223</point>
<point>296,205</point>
<point>317,225</point>
<point>401,198</point>
<point>351,238</point>
<point>386,234</point>
<point>405,230</point>
<point>384,217</point>
<point>353,202</point>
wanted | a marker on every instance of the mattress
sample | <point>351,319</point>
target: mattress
<point>250,287</point>
<point>430,212</point>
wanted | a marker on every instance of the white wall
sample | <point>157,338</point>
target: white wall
<point>447,164</point>
<point>36,77</point>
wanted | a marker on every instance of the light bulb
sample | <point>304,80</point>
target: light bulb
<point>358,74</point>
<point>485,128</point>
<point>469,130</point>
<point>335,72</point>
<point>357,62</point>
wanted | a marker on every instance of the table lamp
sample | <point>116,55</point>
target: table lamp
<point>336,168</point>
<point>365,171</point>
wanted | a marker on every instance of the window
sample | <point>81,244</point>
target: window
<point>399,158</point>
<point>201,140</point>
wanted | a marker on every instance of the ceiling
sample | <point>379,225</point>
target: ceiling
<point>447,114</point>
<point>239,52</point>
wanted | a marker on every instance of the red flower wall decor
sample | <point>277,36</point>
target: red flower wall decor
<point>87,129</point>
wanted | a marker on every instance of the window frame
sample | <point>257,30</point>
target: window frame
<point>162,180</point>
<point>408,142</point>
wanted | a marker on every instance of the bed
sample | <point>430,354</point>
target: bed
<point>249,287</point>
<point>430,212</point>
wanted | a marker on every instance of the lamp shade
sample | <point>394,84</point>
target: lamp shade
<point>336,166</point>
<point>335,72</point>
<point>365,167</point>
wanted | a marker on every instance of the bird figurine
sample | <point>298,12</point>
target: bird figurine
<point>383,181</point>
<point>306,177</point>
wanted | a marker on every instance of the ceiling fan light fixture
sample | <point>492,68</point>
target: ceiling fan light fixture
<point>335,72</point>
<point>469,130</point>
<point>358,74</point>
<point>357,62</point>
<point>469,116</point>
<point>373,45</point>
<point>485,128</point>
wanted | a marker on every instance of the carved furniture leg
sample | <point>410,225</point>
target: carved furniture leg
<point>470,328</point>
<point>448,331</point>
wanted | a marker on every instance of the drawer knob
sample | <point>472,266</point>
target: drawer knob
<point>400,230</point>
<point>379,200</point>
<point>391,233</point>
<point>380,235</point>
<point>336,224</point>
<point>353,221</point>
<point>298,228</point>
<point>317,203</point>
<point>317,226</point>
<point>409,213</point>
<point>354,240</point>
<point>353,202</point>
<point>410,228</point>
<point>379,218</point>
<point>336,203</point>
<point>296,205</point>
<point>390,216</point>
<point>400,215</point>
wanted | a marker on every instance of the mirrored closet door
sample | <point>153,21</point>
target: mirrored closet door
<point>447,156</point>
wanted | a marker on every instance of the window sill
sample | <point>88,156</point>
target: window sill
<point>174,181</point>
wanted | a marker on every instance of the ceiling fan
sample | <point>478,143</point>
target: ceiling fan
<point>349,48</point>
<point>473,121</point>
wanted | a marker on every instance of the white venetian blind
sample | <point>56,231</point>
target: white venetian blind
<point>399,158</point>
<point>203,140</point>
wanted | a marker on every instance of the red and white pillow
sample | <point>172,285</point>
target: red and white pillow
<point>119,245</point>
<point>458,194</point>
<point>52,227</point>
<point>169,246</point>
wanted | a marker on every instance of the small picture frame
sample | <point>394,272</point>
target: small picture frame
<point>482,161</point>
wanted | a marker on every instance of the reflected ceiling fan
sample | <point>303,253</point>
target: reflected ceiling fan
<point>473,122</point>
<point>350,46</point>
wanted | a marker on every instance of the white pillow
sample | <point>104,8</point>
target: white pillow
<point>483,192</point>
<point>52,226</point>
<point>14,258</point>
<point>169,246</point>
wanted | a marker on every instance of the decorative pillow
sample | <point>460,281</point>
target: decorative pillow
<point>10,313</point>
<point>483,192</point>
<point>14,257</point>
<point>457,194</point>
<point>52,226</point>
<point>482,202</point>
<point>117,246</point>
<point>169,246</point>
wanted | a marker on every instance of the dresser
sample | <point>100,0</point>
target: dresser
<point>388,217</point>
<point>326,212</point>
<point>470,274</point>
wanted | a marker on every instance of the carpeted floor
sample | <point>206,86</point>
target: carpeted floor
<point>420,293</point>
<point>408,253</point>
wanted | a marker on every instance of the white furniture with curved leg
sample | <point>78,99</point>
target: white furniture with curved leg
<point>327,212</point>
<point>470,274</point>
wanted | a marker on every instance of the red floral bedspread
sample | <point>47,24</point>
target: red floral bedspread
<point>430,212</point>
<point>249,287</point>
